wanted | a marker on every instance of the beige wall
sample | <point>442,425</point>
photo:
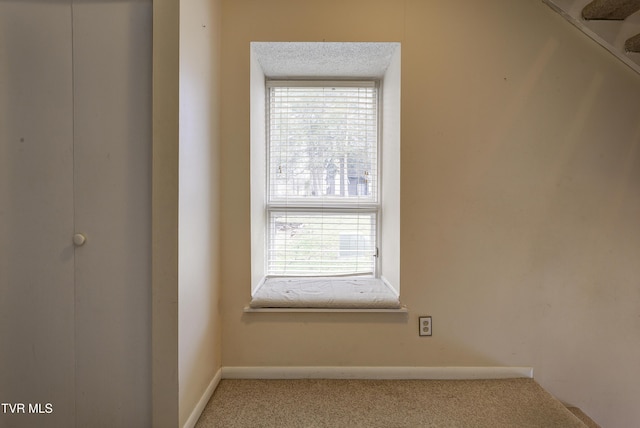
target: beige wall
<point>186,335</point>
<point>520,198</point>
<point>199,344</point>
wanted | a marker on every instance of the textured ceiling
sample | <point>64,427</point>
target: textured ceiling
<point>324,59</point>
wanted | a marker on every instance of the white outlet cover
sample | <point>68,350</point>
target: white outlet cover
<point>425,326</point>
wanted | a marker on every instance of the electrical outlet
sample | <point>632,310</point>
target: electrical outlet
<point>425,326</point>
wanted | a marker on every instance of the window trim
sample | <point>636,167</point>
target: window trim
<point>312,56</point>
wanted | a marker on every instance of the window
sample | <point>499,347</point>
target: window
<point>322,192</point>
<point>325,217</point>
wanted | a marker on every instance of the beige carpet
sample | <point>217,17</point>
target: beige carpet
<point>590,423</point>
<point>384,403</point>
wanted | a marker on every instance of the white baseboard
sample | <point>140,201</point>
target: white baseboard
<point>376,372</point>
<point>197,411</point>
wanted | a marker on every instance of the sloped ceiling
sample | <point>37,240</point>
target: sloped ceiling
<point>614,24</point>
<point>618,10</point>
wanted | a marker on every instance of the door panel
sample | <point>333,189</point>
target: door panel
<point>112,78</point>
<point>75,150</point>
<point>36,212</point>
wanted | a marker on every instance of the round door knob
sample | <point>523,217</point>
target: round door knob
<point>79,239</point>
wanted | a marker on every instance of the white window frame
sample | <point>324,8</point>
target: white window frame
<point>388,236</point>
<point>339,205</point>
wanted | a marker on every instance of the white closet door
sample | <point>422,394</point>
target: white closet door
<point>112,79</point>
<point>36,212</point>
<point>75,157</point>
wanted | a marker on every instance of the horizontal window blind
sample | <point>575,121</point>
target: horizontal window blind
<point>323,144</point>
<point>321,243</point>
<point>322,184</point>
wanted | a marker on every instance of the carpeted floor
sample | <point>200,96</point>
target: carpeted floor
<point>590,423</point>
<point>336,403</point>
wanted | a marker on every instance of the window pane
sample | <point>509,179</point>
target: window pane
<point>321,243</point>
<point>323,144</point>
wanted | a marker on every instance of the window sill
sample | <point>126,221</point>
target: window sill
<point>325,294</point>
<point>400,310</point>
